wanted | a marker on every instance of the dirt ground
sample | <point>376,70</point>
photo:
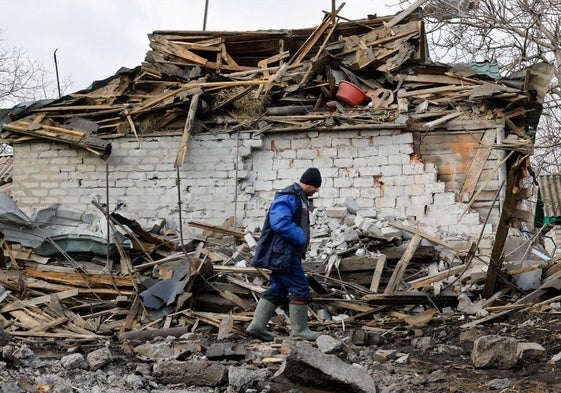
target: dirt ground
<point>427,370</point>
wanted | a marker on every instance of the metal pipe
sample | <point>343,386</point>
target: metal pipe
<point>56,71</point>
<point>178,181</point>
<point>206,13</point>
<point>108,261</point>
<point>237,163</point>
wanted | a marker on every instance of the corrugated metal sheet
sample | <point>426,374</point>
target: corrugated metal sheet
<point>550,189</point>
<point>486,68</point>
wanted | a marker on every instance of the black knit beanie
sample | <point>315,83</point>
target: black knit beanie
<point>311,177</point>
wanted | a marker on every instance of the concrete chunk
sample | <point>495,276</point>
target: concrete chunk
<point>74,361</point>
<point>494,351</point>
<point>306,364</point>
<point>336,211</point>
<point>352,205</point>
<point>531,352</point>
<point>368,225</point>
<point>241,379</point>
<point>196,372</point>
<point>226,351</point>
<point>99,358</point>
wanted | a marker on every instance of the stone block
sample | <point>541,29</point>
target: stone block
<point>336,211</point>
<point>352,206</point>
<point>495,351</point>
<point>308,365</point>
<point>194,372</point>
<point>99,358</point>
<point>528,352</point>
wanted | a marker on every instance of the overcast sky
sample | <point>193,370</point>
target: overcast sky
<point>94,38</point>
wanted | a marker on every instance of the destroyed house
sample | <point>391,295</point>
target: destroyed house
<point>212,123</point>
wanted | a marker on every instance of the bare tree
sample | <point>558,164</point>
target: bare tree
<point>513,33</point>
<point>22,78</point>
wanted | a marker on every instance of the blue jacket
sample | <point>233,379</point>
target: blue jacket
<point>286,231</point>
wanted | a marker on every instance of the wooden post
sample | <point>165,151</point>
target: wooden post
<point>180,159</point>
<point>377,276</point>
<point>399,270</point>
<point>509,205</point>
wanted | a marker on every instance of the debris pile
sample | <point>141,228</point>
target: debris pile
<point>372,286</point>
<point>364,74</point>
<point>75,286</point>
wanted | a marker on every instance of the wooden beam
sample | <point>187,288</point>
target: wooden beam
<point>509,205</point>
<point>377,276</point>
<point>428,237</point>
<point>180,158</point>
<point>19,304</point>
<point>399,270</point>
<point>80,279</point>
<point>426,281</point>
<point>217,229</point>
<point>405,13</point>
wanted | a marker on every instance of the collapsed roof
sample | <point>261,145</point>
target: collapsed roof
<point>289,80</point>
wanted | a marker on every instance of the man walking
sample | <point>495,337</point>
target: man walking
<point>281,248</point>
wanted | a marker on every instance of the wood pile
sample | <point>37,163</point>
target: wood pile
<point>155,286</point>
<point>268,81</point>
<point>159,287</point>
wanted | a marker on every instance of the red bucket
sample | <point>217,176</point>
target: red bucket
<point>350,94</point>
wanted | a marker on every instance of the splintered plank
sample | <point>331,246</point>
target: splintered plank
<point>312,39</point>
<point>399,270</point>
<point>431,91</point>
<point>81,279</point>
<point>360,263</point>
<point>132,315</point>
<point>434,79</point>
<point>377,275</point>
<point>430,238</point>
<point>405,13</point>
<point>75,323</point>
<point>252,287</point>
<point>19,304</point>
<point>238,301</point>
<point>27,321</point>
<point>49,325</point>
<point>347,305</point>
<point>182,152</point>
<point>210,319</point>
<point>65,335</point>
<point>164,45</point>
<point>427,281</point>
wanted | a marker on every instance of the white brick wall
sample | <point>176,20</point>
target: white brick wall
<point>372,167</point>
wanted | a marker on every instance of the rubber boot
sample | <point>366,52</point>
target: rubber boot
<point>299,322</point>
<point>258,326</point>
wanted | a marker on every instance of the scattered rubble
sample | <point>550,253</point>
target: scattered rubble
<point>182,314</point>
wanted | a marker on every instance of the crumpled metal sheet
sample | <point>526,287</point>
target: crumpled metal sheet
<point>49,223</point>
<point>74,243</point>
<point>162,293</point>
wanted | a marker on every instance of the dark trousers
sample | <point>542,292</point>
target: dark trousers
<point>292,284</point>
